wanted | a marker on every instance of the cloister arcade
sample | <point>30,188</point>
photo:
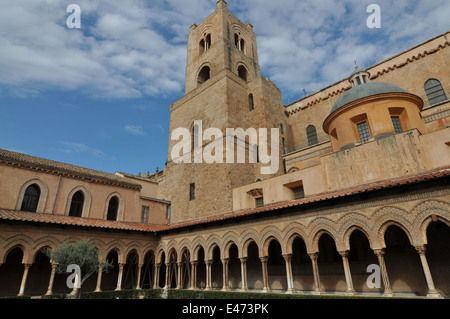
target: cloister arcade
<point>413,259</point>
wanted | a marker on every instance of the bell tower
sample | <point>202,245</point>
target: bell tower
<point>219,43</point>
<point>224,89</point>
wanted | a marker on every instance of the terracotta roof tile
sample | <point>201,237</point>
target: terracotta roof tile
<point>76,221</point>
<point>133,226</point>
<point>59,167</point>
<point>385,184</point>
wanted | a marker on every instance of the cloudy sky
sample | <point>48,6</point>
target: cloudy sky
<point>99,96</point>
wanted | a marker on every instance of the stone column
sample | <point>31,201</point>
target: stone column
<point>348,275</point>
<point>138,284</point>
<point>208,274</point>
<point>289,276</point>
<point>179,275</point>
<point>193,284</point>
<point>52,278</point>
<point>194,275</point>
<point>99,279</point>
<point>225,273</point>
<point>265,273</point>
<point>387,285</point>
<point>166,284</point>
<point>314,256</point>
<point>119,277</point>
<point>244,273</point>
<point>156,275</point>
<point>432,293</point>
<point>24,279</point>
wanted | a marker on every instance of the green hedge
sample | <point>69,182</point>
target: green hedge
<point>15,297</point>
<point>214,294</point>
<point>124,294</point>
<point>191,294</point>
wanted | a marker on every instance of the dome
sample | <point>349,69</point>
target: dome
<point>365,90</point>
<point>358,70</point>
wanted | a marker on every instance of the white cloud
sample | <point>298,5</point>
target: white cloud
<point>134,129</point>
<point>71,147</point>
<point>138,48</point>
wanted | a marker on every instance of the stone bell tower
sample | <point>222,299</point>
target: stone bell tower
<point>224,89</point>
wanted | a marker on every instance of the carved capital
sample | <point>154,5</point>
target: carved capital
<point>314,256</point>
<point>264,259</point>
<point>379,252</point>
<point>420,250</point>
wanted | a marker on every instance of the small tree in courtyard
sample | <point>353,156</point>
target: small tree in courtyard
<point>81,254</point>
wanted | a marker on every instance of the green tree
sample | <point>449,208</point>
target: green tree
<point>83,254</point>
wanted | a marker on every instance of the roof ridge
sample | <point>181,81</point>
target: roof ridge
<point>7,155</point>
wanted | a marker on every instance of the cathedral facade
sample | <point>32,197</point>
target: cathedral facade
<point>361,186</point>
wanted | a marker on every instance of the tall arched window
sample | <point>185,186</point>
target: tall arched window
<point>251,104</point>
<point>31,198</point>
<point>311,135</point>
<point>76,206</point>
<point>195,133</point>
<point>204,75</point>
<point>435,91</point>
<point>113,208</point>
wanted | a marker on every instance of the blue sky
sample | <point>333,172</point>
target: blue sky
<point>99,96</point>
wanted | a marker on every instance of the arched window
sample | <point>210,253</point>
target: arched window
<point>204,75</point>
<point>239,42</point>
<point>435,91</point>
<point>242,72</point>
<point>113,208</point>
<point>251,105</point>
<point>205,43</point>
<point>31,198</point>
<point>208,42</point>
<point>311,135</point>
<point>195,133</point>
<point>76,206</point>
<point>202,46</point>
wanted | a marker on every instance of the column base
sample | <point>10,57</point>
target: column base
<point>290,291</point>
<point>434,295</point>
<point>350,293</point>
<point>318,292</point>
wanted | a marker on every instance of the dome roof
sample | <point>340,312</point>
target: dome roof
<point>365,90</point>
<point>358,70</point>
